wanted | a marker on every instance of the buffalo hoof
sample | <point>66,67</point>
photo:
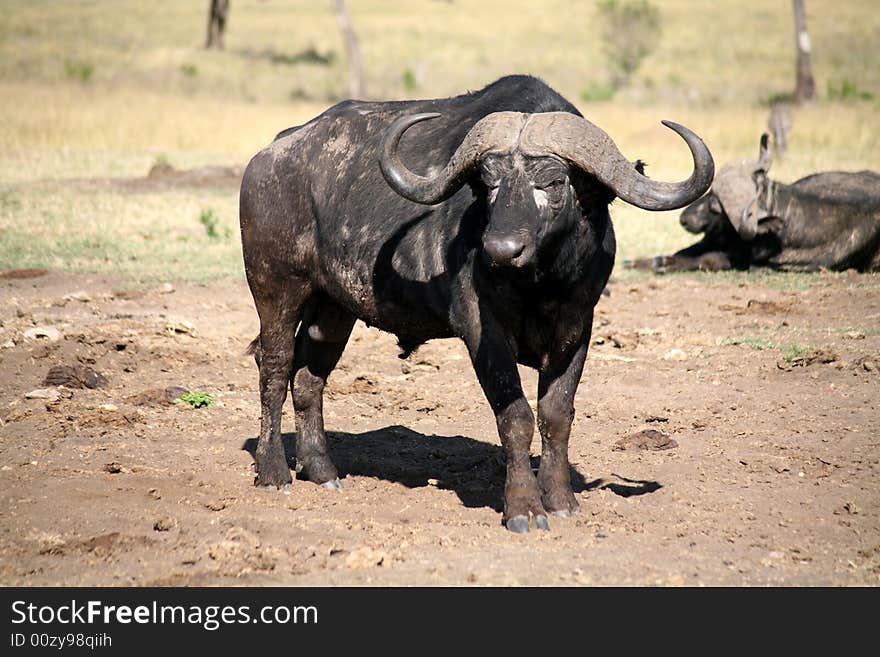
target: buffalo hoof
<point>542,523</point>
<point>284,489</point>
<point>333,484</point>
<point>518,524</point>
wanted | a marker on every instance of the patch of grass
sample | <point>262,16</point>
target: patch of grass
<point>189,70</point>
<point>597,92</point>
<point>196,399</point>
<point>210,221</point>
<point>794,352</point>
<point>80,230</point>
<point>408,78</point>
<point>760,344</point>
<point>81,71</point>
<point>847,90</point>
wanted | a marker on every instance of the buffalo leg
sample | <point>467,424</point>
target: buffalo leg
<point>556,389</point>
<point>279,314</point>
<point>495,366</point>
<point>320,342</point>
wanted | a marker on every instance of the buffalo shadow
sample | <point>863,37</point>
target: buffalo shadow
<point>474,470</point>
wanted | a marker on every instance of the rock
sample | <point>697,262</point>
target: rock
<point>180,326</point>
<point>52,394</point>
<point>74,376</point>
<point>821,355</point>
<point>43,332</point>
<point>164,524</point>
<point>157,396</point>
<point>675,354</point>
<point>81,296</point>
<point>165,288</point>
<point>647,439</point>
<point>9,344</point>
<point>854,335</point>
<point>115,468</point>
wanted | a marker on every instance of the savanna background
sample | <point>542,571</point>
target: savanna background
<point>773,477</point>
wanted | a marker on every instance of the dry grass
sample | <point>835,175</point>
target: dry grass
<point>107,88</point>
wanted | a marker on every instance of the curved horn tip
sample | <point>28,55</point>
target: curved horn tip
<point>679,128</point>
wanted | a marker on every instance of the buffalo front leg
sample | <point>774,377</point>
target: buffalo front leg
<point>279,315</point>
<point>320,342</point>
<point>495,367</point>
<point>556,389</point>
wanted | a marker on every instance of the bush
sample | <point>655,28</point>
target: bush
<point>847,90</point>
<point>596,92</point>
<point>79,70</point>
<point>630,32</point>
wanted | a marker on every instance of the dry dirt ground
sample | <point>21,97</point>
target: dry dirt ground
<point>768,476</point>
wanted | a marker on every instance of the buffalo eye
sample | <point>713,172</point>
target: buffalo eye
<point>553,185</point>
<point>714,205</point>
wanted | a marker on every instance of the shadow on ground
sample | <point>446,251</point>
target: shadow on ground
<point>474,470</point>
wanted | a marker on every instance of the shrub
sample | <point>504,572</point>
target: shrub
<point>630,31</point>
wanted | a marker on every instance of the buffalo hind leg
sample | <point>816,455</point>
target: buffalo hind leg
<point>320,342</point>
<point>279,314</point>
<point>556,389</point>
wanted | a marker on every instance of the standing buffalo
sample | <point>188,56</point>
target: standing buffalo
<point>824,221</point>
<point>483,217</point>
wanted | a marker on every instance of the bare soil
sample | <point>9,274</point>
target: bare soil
<point>696,460</point>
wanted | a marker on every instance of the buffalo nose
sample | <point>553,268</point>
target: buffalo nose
<point>503,250</point>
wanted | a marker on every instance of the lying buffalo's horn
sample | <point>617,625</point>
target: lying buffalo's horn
<point>591,149</point>
<point>497,131</point>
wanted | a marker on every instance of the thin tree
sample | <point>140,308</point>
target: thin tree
<point>217,14</point>
<point>805,91</point>
<point>357,83</point>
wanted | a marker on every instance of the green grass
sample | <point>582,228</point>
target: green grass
<point>106,89</point>
<point>196,399</point>
<point>795,351</point>
<point>760,344</point>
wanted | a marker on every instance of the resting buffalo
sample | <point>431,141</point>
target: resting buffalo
<point>824,221</point>
<point>483,217</point>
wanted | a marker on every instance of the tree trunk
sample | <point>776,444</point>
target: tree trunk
<point>217,23</point>
<point>806,86</point>
<point>357,84</point>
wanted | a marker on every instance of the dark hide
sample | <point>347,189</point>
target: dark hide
<point>327,241</point>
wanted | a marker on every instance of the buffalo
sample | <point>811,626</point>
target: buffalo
<point>828,220</point>
<point>482,217</point>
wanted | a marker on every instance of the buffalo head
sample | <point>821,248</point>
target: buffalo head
<point>739,195</point>
<point>539,174</point>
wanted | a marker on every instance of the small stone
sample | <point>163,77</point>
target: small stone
<point>675,354</point>
<point>43,332</point>
<point>165,288</point>
<point>181,326</point>
<point>81,296</point>
<point>164,524</point>
<point>9,344</point>
<point>854,335</point>
<point>52,394</point>
<point>74,376</point>
<point>114,468</point>
<point>154,493</point>
<point>851,508</point>
<point>647,439</point>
